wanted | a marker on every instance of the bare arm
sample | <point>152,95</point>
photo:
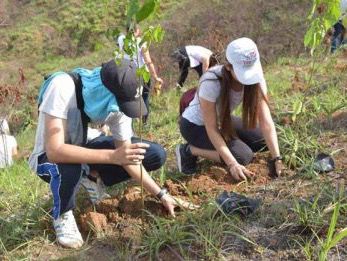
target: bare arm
<point>268,129</point>
<point>205,63</point>
<point>58,151</point>
<point>210,119</point>
<point>14,151</point>
<point>150,65</point>
<point>148,183</point>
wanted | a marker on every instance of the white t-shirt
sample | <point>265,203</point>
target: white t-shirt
<point>7,144</point>
<point>60,98</point>
<point>196,54</point>
<point>139,60</point>
<point>4,128</point>
<point>343,6</point>
<point>209,89</point>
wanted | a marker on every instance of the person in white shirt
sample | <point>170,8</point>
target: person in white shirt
<point>193,56</point>
<point>143,58</point>
<point>8,145</point>
<point>108,94</point>
<point>207,123</point>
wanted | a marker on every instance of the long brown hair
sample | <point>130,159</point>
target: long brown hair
<point>250,106</point>
<point>226,126</point>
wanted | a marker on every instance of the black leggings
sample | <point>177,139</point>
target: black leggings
<point>184,65</point>
<point>242,148</point>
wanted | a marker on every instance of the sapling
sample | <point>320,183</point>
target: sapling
<point>136,15</point>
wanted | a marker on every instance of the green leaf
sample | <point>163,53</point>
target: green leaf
<point>158,34</point>
<point>297,108</point>
<point>333,222</point>
<point>145,11</point>
<point>338,237</point>
<point>132,9</point>
<point>143,73</point>
<point>112,32</point>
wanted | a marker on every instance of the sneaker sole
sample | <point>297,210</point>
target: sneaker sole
<point>178,158</point>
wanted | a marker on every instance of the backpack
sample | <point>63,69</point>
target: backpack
<point>186,98</point>
<point>79,99</point>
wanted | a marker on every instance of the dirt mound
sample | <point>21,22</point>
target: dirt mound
<point>338,120</point>
<point>132,204</point>
<point>93,221</point>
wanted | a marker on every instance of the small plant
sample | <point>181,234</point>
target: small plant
<point>324,14</point>
<point>310,214</point>
<point>132,44</point>
<point>298,146</point>
<point>333,237</point>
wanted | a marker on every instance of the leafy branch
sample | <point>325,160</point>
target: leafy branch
<point>137,14</point>
<point>324,14</point>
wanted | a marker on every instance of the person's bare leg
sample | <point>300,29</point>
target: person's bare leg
<point>207,154</point>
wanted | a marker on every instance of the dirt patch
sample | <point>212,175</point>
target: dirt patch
<point>127,212</point>
<point>93,221</point>
<point>132,204</point>
<point>107,206</point>
<point>339,119</point>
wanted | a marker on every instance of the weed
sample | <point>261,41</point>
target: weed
<point>204,234</point>
<point>333,237</point>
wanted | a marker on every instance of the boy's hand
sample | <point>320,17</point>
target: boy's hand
<point>130,154</point>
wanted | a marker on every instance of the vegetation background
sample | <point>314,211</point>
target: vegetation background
<point>38,37</point>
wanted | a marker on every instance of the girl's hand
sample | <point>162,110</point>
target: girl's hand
<point>279,168</point>
<point>276,167</point>
<point>171,202</point>
<point>239,172</point>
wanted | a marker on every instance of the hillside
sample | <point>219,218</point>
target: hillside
<point>42,36</point>
<point>38,37</point>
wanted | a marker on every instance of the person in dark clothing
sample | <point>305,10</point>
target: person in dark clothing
<point>193,56</point>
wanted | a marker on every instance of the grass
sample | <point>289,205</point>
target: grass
<point>21,200</point>
<point>205,233</point>
<point>303,211</point>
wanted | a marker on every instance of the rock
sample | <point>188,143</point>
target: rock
<point>107,206</point>
<point>93,221</point>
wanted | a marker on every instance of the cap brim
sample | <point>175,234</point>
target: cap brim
<point>133,109</point>
<point>249,75</point>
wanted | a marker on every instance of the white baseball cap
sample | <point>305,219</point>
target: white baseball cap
<point>244,56</point>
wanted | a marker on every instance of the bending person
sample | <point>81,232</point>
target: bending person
<point>207,124</point>
<point>193,56</point>
<point>61,156</point>
<point>143,58</point>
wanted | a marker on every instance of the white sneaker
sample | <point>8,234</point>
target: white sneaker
<point>96,190</point>
<point>67,231</point>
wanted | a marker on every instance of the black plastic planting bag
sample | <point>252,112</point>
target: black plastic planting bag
<point>233,203</point>
<point>324,163</point>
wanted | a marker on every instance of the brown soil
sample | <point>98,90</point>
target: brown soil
<point>93,221</point>
<point>337,121</point>
<point>127,213</point>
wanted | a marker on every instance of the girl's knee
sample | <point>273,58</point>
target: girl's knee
<point>242,153</point>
